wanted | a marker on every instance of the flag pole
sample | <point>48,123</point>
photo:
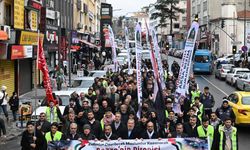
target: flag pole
<point>36,76</point>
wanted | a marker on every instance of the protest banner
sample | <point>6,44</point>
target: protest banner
<point>186,62</point>
<point>138,48</point>
<point>128,50</point>
<point>112,40</point>
<point>150,144</point>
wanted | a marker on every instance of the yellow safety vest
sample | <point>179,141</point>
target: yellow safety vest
<point>102,124</point>
<point>166,113</point>
<point>233,138</point>
<point>55,119</point>
<point>57,136</point>
<point>210,133</point>
<point>195,94</point>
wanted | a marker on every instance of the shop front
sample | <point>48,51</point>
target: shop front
<point>7,69</point>
<point>51,45</point>
<point>23,57</point>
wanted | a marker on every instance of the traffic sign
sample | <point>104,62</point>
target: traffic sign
<point>236,42</point>
<point>244,48</point>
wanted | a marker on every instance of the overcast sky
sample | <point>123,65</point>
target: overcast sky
<point>128,5</point>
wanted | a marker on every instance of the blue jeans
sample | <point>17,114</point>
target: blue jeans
<point>4,109</point>
<point>14,113</point>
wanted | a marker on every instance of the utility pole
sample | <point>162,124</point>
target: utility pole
<point>246,61</point>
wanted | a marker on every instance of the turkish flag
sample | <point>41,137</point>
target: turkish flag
<point>42,65</point>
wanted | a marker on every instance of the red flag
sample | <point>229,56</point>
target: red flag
<point>42,65</point>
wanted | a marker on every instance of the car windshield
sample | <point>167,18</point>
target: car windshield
<point>246,100</point>
<point>82,83</point>
<point>242,72</point>
<point>201,59</point>
<point>227,67</point>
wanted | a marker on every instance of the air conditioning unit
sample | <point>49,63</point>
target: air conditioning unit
<point>6,29</point>
<point>79,25</point>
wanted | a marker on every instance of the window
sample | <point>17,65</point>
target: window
<point>233,98</point>
<point>205,6</point>
<point>201,59</point>
<point>193,10</point>
<point>199,8</point>
<point>183,18</point>
<point>246,100</point>
<point>176,25</point>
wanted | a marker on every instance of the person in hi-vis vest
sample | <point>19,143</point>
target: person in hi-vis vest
<point>206,131</point>
<point>52,113</point>
<point>54,134</point>
<point>227,138</point>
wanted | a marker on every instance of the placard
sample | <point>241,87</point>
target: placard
<point>19,14</point>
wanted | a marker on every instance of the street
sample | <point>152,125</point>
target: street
<point>218,88</point>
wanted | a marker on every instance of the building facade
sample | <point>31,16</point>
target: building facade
<point>222,24</point>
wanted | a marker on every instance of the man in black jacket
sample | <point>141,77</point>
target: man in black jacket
<point>190,128</point>
<point>150,133</point>
<point>108,134</point>
<point>179,132</point>
<point>95,125</point>
<point>72,134</point>
<point>118,127</point>
<point>87,135</point>
<point>131,131</point>
<point>42,124</point>
<point>32,141</point>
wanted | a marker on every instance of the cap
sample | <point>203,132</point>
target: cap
<point>4,88</point>
<point>86,126</point>
<point>225,101</point>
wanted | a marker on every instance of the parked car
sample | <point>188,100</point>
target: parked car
<point>82,82</point>
<point>97,73</point>
<point>240,103</point>
<point>221,70</point>
<point>243,82</point>
<point>64,97</point>
<point>234,74</point>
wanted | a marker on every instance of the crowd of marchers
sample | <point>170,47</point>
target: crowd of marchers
<point>108,112</point>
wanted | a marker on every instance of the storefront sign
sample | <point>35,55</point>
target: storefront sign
<point>20,52</point>
<point>50,14</point>
<point>52,37</point>
<point>74,37</point>
<point>19,14</point>
<point>35,4</point>
<point>29,38</point>
<point>32,19</point>
<point>3,51</point>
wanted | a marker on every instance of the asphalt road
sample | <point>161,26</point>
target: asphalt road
<point>218,88</point>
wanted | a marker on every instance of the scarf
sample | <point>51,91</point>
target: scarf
<point>228,131</point>
<point>150,134</point>
<point>108,136</point>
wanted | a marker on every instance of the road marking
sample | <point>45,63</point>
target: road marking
<point>214,86</point>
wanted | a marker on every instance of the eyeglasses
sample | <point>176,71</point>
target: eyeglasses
<point>42,116</point>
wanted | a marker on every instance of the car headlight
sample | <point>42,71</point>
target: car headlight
<point>35,117</point>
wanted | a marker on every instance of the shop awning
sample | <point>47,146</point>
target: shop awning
<point>3,35</point>
<point>88,43</point>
